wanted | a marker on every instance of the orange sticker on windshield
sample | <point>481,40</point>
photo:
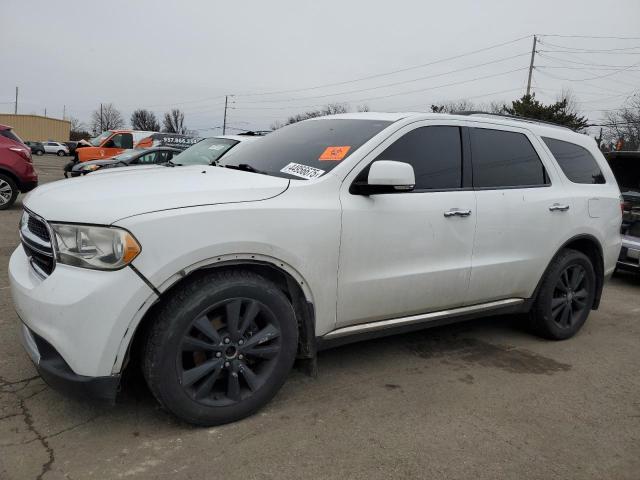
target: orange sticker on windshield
<point>334,154</point>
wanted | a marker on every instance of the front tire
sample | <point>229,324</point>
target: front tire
<point>8,192</point>
<point>221,347</point>
<point>61,153</point>
<point>565,297</point>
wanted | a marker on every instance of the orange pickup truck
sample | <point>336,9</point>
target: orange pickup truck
<point>111,143</point>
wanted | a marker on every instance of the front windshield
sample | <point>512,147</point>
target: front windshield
<point>205,152</point>
<point>97,141</point>
<point>308,149</point>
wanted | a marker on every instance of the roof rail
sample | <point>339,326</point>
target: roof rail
<point>511,117</point>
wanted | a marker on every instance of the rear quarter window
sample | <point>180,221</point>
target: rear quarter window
<point>576,162</point>
<point>504,159</point>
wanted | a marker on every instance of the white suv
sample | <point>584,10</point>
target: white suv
<point>216,278</point>
<point>57,148</point>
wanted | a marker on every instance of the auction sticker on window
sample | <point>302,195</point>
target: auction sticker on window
<point>302,171</point>
<point>334,154</point>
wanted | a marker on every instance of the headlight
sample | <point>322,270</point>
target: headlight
<point>90,168</point>
<point>99,248</point>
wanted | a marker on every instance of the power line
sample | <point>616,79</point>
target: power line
<point>395,94</point>
<point>404,108</point>
<point>591,78</point>
<point>621,69</point>
<point>579,63</point>
<point>369,77</point>
<point>589,50</point>
<point>348,92</point>
<point>602,37</point>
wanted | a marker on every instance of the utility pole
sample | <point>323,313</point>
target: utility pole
<point>224,121</point>
<point>45,111</point>
<point>101,130</point>
<point>15,109</point>
<point>533,55</point>
<point>64,111</point>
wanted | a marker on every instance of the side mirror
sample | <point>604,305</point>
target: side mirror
<point>386,176</point>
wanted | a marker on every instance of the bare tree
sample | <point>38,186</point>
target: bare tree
<point>622,127</point>
<point>78,130</point>
<point>142,119</point>
<point>106,118</point>
<point>363,108</point>
<point>174,122</point>
<point>330,109</point>
<point>453,106</point>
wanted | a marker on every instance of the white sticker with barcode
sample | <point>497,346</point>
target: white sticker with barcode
<point>302,171</point>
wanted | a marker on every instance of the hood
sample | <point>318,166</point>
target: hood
<point>104,199</point>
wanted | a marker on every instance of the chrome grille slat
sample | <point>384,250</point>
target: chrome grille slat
<point>36,241</point>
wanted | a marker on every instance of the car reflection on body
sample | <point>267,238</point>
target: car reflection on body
<point>207,151</point>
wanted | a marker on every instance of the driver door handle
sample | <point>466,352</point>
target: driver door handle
<point>457,212</point>
<point>556,207</point>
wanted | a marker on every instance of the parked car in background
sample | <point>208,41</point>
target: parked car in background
<point>16,170</point>
<point>168,140</point>
<point>128,158</point>
<point>56,148</point>
<point>36,148</point>
<point>217,277</point>
<point>209,151</point>
<point>110,143</point>
<point>626,168</point>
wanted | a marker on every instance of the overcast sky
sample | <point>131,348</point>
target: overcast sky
<point>189,55</point>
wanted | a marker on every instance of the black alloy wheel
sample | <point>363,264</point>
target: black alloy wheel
<point>220,346</point>
<point>228,352</point>
<point>565,296</point>
<point>569,296</point>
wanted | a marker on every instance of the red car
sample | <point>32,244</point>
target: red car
<point>16,170</point>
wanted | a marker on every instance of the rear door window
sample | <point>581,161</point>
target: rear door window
<point>435,153</point>
<point>576,162</point>
<point>10,135</point>
<point>503,159</point>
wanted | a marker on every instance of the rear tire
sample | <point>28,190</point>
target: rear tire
<point>565,297</point>
<point>8,192</point>
<point>221,347</point>
<point>39,153</point>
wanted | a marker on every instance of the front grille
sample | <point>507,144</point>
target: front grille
<point>38,228</point>
<point>36,242</point>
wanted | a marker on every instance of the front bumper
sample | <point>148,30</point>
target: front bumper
<point>629,258</point>
<point>84,315</point>
<point>59,376</point>
<point>28,186</point>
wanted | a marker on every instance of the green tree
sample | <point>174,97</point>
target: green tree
<point>560,112</point>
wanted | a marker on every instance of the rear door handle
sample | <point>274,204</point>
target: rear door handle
<point>457,212</point>
<point>556,207</point>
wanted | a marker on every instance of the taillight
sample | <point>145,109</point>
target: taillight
<point>23,152</point>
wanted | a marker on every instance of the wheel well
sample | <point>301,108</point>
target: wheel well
<point>592,249</point>
<point>12,176</point>
<point>303,309</point>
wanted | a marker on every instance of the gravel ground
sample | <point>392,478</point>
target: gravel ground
<point>482,400</point>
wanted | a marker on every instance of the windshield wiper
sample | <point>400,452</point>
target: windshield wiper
<point>246,168</point>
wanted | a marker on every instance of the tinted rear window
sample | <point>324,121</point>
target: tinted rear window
<point>435,153</point>
<point>307,149</point>
<point>576,162</point>
<point>10,135</point>
<point>504,159</point>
